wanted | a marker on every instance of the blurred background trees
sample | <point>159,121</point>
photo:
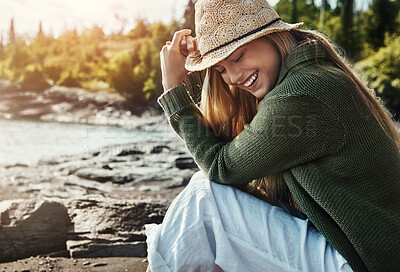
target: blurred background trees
<point>124,63</point>
<point>127,62</point>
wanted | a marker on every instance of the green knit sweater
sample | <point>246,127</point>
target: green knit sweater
<point>340,166</point>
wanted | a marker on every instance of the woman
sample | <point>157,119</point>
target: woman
<point>281,116</point>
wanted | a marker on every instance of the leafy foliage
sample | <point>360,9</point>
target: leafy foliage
<point>307,13</point>
<point>382,19</point>
<point>34,79</point>
<point>128,64</point>
<point>382,71</point>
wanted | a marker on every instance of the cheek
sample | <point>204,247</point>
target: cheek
<point>277,68</point>
<point>273,68</point>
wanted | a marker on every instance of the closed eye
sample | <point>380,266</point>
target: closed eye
<point>221,71</point>
<point>239,58</point>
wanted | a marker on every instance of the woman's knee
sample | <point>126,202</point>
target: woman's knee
<point>199,179</point>
<point>199,185</point>
<point>199,175</point>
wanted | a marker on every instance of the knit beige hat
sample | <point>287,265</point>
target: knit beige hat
<point>222,26</point>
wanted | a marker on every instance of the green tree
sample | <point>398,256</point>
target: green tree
<point>346,29</point>
<point>148,71</point>
<point>1,43</point>
<point>325,7</point>
<point>306,12</point>
<point>20,58</point>
<point>188,17</point>
<point>124,79</point>
<point>141,30</point>
<point>33,79</point>
<point>68,79</point>
<point>382,19</point>
<point>40,47</point>
<point>346,16</point>
<point>92,60</point>
<point>382,71</point>
<point>160,33</point>
<point>294,18</point>
<point>40,32</point>
<point>11,34</point>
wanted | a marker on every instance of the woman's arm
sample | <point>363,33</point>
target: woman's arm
<point>286,132</point>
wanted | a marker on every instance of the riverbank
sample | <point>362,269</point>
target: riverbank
<point>78,208</point>
<point>108,196</point>
<point>75,105</point>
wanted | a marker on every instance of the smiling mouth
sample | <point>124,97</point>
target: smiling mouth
<point>251,80</point>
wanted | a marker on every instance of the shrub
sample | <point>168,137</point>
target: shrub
<point>33,79</point>
<point>382,71</point>
<point>69,80</point>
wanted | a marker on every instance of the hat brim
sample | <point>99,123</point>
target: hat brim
<point>212,58</point>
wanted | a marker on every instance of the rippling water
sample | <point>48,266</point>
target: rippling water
<point>27,142</point>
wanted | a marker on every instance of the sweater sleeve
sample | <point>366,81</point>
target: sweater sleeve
<point>286,132</point>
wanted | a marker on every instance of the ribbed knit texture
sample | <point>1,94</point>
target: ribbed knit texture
<point>340,166</point>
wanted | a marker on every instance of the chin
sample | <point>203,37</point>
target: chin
<point>260,95</point>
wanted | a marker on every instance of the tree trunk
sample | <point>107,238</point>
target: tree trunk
<point>294,11</point>
<point>347,25</point>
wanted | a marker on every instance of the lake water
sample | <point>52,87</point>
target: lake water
<point>27,142</point>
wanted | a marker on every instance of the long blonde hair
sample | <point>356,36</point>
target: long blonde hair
<point>228,109</point>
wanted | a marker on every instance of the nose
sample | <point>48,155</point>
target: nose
<point>235,75</point>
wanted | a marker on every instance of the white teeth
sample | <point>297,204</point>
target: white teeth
<point>251,80</point>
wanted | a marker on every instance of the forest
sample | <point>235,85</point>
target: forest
<point>127,62</point>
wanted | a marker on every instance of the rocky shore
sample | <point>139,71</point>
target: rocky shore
<point>90,205</point>
<point>73,105</point>
<point>66,212</point>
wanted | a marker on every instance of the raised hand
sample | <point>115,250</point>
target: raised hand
<point>173,57</point>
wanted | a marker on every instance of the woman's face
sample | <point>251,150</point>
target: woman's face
<point>253,67</point>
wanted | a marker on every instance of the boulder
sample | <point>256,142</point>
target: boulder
<point>126,152</point>
<point>105,175</point>
<point>114,216</point>
<point>160,149</point>
<point>111,228</point>
<point>29,228</point>
<point>185,163</point>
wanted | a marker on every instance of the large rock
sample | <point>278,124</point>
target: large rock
<point>111,228</point>
<point>185,163</point>
<point>113,216</point>
<point>105,175</point>
<point>29,227</point>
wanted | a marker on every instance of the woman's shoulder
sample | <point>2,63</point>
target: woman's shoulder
<point>307,69</point>
<point>315,79</point>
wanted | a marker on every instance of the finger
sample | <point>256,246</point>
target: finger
<point>183,49</point>
<point>189,41</point>
<point>183,45</point>
<point>195,42</point>
<point>168,43</point>
<point>191,44</point>
<point>179,34</point>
